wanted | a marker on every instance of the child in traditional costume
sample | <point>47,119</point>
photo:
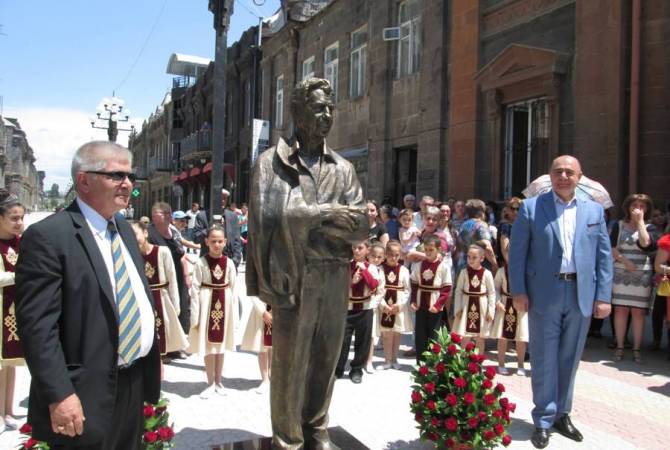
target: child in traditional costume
<point>359,316</point>
<point>375,258</point>
<point>213,309</point>
<point>258,339</point>
<point>11,353</point>
<point>431,285</point>
<point>393,313</point>
<point>474,298</point>
<point>160,271</point>
<point>509,324</point>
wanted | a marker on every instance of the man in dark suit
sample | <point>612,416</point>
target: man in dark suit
<point>85,313</point>
<point>232,228</point>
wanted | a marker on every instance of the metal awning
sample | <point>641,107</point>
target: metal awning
<point>187,65</point>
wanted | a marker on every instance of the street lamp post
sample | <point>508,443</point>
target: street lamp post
<point>222,9</point>
<point>111,111</point>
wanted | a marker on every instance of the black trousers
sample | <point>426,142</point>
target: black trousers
<point>658,318</point>
<point>359,324</point>
<point>127,420</point>
<point>426,325</point>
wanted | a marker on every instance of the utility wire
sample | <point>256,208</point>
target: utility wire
<point>255,14</point>
<point>144,46</point>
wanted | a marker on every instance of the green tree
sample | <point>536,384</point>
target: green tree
<point>53,192</point>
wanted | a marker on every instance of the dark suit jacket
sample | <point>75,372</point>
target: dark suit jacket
<point>233,241</point>
<point>67,323</point>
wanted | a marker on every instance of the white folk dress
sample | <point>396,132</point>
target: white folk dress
<point>397,291</point>
<point>257,334</point>
<point>210,321</point>
<point>510,324</point>
<point>377,297</point>
<point>475,296</point>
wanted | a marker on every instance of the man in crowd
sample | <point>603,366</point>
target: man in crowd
<point>561,273</point>
<point>85,313</point>
<point>232,229</point>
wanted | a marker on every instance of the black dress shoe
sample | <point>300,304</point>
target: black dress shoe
<point>566,428</point>
<point>540,438</point>
<point>356,376</point>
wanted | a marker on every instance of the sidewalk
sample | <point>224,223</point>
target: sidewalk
<point>617,405</point>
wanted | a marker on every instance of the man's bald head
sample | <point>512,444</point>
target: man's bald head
<point>567,160</point>
<point>565,173</point>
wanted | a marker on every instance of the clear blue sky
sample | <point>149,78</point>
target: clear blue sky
<point>59,58</point>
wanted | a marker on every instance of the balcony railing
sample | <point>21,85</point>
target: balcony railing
<point>200,141</point>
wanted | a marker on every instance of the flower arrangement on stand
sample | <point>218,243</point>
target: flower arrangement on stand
<point>158,434</point>
<point>454,399</point>
<point>30,443</point>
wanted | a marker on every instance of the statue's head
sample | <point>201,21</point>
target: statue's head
<point>312,108</point>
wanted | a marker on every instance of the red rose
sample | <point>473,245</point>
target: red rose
<point>504,403</point>
<point>450,443</point>
<point>490,372</point>
<point>465,436</point>
<point>148,410</point>
<point>452,349</point>
<point>160,410</point>
<point>481,358</point>
<point>416,397</point>
<point>455,338</point>
<point>429,387</point>
<point>489,399</point>
<point>451,399</point>
<point>439,368</point>
<point>470,346</point>
<point>469,398</point>
<point>165,433</point>
<point>473,368</point>
<point>26,428</point>
<point>482,416</point>
<point>423,371</point>
<point>436,348</point>
<point>459,382</point>
<point>435,422</point>
<point>498,414</point>
<point>500,387</point>
<point>451,424</point>
<point>488,435</point>
<point>499,429</point>
<point>30,443</point>
<point>506,440</point>
<point>150,436</point>
<point>473,422</point>
<point>432,436</point>
<point>474,357</point>
<point>487,384</point>
<point>431,405</point>
<point>418,417</point>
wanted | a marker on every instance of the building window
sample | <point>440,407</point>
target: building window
<point>308,68</point>
<point>359,56</point>
<point>409,45</point>
<point>279,101</point>
<point>330,64</point>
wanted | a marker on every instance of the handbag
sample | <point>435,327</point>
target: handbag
<point>663,289</point>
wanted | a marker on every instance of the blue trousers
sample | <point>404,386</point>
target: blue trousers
<point>556,342</point>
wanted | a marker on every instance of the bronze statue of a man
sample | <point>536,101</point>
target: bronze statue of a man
<point>306,209</point>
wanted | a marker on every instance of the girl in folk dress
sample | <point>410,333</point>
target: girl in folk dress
<point>213,309</point>
<point>375,258</point>
<point>160,272</point>
<point>475,298</point>
<point>509,324</point>
<point>393,313</point>
<point>11,353</point>
<point>258,338</point>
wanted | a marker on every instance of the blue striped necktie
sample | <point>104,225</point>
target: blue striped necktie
<point>126,304</point>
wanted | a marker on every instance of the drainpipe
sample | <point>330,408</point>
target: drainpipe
<point>634,98</point>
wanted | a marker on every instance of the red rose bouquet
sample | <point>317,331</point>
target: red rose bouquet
<point>30,443</point>
<point>158,435</point>
<point>454,398</point>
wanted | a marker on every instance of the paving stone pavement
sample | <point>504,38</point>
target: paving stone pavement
<point>617,405</point>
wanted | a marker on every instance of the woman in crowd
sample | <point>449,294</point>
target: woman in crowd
<point>390,222</point>
<point>632,272</point>
<point>431,222</point>
<point>11,227</point>
<point>476,231</point>
<point>378,231</point>
<point>662,268</point>
<point>509,213</point>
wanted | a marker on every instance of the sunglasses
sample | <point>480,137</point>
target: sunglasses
<point>117,176</point>
<point>514,208</point>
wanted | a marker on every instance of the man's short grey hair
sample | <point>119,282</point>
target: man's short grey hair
<point>408,197</point>
<point>225,192</point>
<point>433,211</point>
<point>94,155</point>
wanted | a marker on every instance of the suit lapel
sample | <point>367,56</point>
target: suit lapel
<point>85,236</point>
<point>547,201</point>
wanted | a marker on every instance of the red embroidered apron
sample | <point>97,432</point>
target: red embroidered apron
<point>151,271</point>
<point>473,311</point>
<point>393,285</point>
<point>11,344</point>
<point>216,317</point>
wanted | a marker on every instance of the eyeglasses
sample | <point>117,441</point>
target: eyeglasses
<point>514,208</point>
<point>117,176</point>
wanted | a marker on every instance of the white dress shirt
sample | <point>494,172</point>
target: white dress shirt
<point>566,214</point>
<point>98,226</point>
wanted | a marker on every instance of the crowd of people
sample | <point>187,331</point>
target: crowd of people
<point>441,264</point>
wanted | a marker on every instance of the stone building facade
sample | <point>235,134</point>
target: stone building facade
<point>17,165</point>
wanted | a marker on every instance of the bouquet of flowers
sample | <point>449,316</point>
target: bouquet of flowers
<point>30,443</point>
<point>454,399</point>
<point>158,435</point>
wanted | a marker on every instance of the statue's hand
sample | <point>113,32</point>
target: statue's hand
<point>340,217</point>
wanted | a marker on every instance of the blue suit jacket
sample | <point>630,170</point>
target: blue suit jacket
<point>536,252</point>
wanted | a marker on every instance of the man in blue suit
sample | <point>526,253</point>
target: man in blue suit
<point>561,273</point>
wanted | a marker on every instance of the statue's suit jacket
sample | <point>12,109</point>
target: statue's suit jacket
<point>68,323</point>
<point>536,252</point>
